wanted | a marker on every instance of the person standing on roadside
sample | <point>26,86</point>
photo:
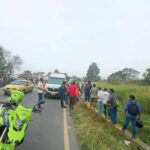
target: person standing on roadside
<point>112,106</point>
<point>72,94</point>
<point>100,101</point>
<point>78,91</point>
<point>66,94</point>
<point>87,90</point>
<point>83,89</point>
<point>105,97</point>
<point>63,94</point>
<point>40,91</point>
<point>132,111</point>
<point>93,95</point>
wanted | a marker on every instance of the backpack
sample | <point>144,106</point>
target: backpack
<point>133,109</point>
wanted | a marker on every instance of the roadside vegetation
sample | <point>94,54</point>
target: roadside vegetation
<point>143,97</point>
<point>95,133</point>
<point>91,127</point>
<point>123,91</point>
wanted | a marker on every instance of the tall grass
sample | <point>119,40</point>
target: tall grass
<point>142,94</point>
<point>95,133</point>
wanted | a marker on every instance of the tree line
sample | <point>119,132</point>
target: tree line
<point>9,63</point>
<point>125,75</point>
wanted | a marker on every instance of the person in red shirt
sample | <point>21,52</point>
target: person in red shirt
<point>78,91</point>
<point>72,94</point>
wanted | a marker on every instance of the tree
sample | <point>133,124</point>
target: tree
<point>127,74</point>
<point>146,76</point>
<point>115,77</point>
<point>93,72</point>
<point>16,62</point>
<point>26,75</point>
<point>8,63</point>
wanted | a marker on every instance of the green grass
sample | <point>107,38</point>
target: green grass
<point>95,133</point>
<point>144,133</point>
<point>142,94</point>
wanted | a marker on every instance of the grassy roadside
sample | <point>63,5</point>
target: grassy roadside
<point>144,133</point>
<point>142,94</point>
<point>95,133</point>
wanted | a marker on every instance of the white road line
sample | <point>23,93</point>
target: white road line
<point>66,136</point>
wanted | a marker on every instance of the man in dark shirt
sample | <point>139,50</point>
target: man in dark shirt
<point>63,91</point>
<point>132,111</point>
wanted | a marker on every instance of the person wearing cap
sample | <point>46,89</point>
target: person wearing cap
<point>40,91</point>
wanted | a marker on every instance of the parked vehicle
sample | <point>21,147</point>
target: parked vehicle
<point>54,83</point>
<point>13,122</point>
<point>20,85</point>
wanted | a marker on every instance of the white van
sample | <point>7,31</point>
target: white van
<point>54,83</point>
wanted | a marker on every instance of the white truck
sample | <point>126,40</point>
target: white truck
<point>54,83</point>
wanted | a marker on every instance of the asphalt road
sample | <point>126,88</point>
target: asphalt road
<point>51,130</point>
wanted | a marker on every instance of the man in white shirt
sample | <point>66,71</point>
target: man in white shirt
<point>105,98</point>
<point>100,100</point>
<point>40,91</point>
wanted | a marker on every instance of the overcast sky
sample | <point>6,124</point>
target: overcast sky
<point>71,34</point>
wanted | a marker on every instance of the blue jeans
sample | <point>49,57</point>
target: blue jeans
<point>101,107</point>
<point>87,95</point>
<point>113,114</point>
<point>131,119</point>
<point>40,98</point>
<point>66,99</point>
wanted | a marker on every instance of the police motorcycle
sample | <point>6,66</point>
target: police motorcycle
<point>14,119</point>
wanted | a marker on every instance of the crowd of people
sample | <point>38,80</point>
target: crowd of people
<point>104,99</point>
<point>70,94</point>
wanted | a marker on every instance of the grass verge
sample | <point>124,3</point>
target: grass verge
<point>95,133</point>
<point>143,97</point>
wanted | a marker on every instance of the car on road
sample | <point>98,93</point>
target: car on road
<point>54,83</point>
<point>20,85</point>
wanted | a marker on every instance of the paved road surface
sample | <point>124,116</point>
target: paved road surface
<point>52,130</point>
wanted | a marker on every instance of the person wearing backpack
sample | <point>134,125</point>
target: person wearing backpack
<point>132,111</point>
